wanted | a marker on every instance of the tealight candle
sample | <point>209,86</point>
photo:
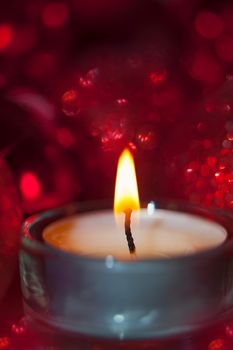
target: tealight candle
<point>156,233</point>
<point>132,274</point>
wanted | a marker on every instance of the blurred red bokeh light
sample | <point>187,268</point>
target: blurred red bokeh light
<point>6,35</point>
<point>30,186</point>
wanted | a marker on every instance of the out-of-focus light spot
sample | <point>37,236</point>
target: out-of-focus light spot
<point>216,344</point>
<point>110,138</point>
<point>208,25</point>
<point>4,342</point>
<point>189,170</point>
<point>55,14</point>
<point>229,330</point>
<point>119,318</point>
<point>225,107</point>
<point>192,167</point>
<point>85,83</point>
<point>18,329</point>
<point>219,177</point>
<point>224,47</point>
<point>6,35</point>
<point>132,147</point>
<point>158,77</point>
<point>122,102</point>
<point>227,144</point>
<point>90,78</point>
<point>222,166</point>
<point>230,136</point>
<point>229,178</point>
<point>65,137</point>
<point>71,103</point>
<point>113,131</point>
<point>30,186</point>
<point>146,138</point>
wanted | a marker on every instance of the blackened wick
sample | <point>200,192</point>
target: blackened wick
<point>128,233</point>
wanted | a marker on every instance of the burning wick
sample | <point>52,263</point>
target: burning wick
<point>126,194</point>
<point>128,233</point>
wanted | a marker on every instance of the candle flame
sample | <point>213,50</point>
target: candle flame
<point>126,188</point>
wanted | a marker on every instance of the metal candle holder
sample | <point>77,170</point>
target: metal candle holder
<point>125,300</point>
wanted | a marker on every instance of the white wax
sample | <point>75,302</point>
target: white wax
<point>157,234</point>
